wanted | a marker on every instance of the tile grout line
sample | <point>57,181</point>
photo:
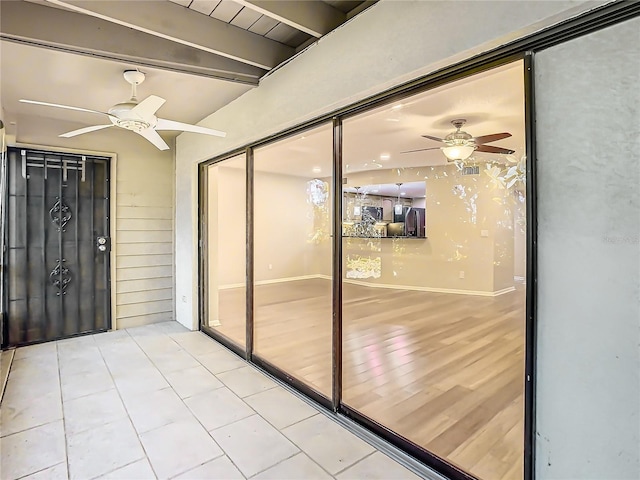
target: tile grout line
<point>278,383</point>
<point>146,456</point>
<point>279,430</point>
<point>33,427</point>
<point>239,420</point>
<point>41,470</point>
<point>224,454</point>
<point>64,423</point>
<point>5,378</point>
<point>345,423</point>
<point>224,385</point>
<point>356,462</point>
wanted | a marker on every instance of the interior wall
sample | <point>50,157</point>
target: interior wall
<point>588,386</point>
<point>144,281</point>
<point>229,200</point>
<point>283,224</point>
<point>387,44</point>
<point>470,239</point>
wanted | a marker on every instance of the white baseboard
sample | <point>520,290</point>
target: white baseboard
<point>276,280</point>
<point>432,289</point>
<point>378,285</point>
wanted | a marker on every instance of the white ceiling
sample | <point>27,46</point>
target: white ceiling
<point>492,102</point>
<point>83,47</point>
<point>97,84</point>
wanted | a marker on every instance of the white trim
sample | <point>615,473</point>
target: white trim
<point>377,285</point>
<point>275,280</point>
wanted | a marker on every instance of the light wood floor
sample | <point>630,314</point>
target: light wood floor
<point>444,371</point>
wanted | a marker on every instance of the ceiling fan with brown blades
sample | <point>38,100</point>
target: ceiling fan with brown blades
<point>138,117</point>
<point>459,145</point>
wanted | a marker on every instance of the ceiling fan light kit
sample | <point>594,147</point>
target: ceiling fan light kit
<point>460,145</point>
<point>458,152</point>
<point>138,117</point>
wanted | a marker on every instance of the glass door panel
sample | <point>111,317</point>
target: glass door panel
<point>225,307</point>
<point>292,248</point>
<point>434,268</point>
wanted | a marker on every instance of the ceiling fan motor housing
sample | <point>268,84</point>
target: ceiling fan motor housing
<point>123,116</point>
<point>459,137</point>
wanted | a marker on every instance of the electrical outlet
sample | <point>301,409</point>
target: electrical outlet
<point>461,274</point>
<point>270,267</point>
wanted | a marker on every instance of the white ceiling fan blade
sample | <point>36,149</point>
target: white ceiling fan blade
<point>148,107</point>
<point>67,107</point>
<point>80,131</point>
<point>164,124</point>
<point>151,135</point>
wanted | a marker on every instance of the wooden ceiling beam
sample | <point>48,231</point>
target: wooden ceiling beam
<point>178,24</point>
<point>43,26</point>
<point>312,16</point>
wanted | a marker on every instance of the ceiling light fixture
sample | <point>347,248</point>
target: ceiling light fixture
<point>397,209</point>
<point>357,209</point>
<point>458,152</point>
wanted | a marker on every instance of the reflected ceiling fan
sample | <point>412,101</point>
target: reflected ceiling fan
<point>459,145</point>
<point>139,117</point>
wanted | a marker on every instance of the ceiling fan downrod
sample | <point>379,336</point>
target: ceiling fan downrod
<point>135,78</point>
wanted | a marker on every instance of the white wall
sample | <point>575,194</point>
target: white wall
<point>144,282</point>
<point>588,116</point>
<point>390,43</point>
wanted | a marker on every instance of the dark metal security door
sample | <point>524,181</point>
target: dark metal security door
<point>57,247</point>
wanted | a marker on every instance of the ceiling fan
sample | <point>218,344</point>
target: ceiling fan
<point>139,117</point>
<point>459,145</point>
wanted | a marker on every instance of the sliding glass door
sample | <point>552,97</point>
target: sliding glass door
<point>422,335</point>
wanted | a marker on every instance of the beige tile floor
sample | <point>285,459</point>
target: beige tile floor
<point>163,402</point>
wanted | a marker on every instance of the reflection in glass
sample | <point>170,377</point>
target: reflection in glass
<point>293,248</point>
<point>226,247</point>
<point>434,312</point>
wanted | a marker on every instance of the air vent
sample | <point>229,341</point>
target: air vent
<point>473,170</point>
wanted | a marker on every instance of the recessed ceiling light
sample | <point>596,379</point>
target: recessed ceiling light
<point>403,193</point>
<point>375,191</point>
<point>385,156</point>
<point>397,107</point>
<point>316,169</point>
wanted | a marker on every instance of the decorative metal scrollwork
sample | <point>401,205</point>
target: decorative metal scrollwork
<point>60,277</point>
<point>60,214</point>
